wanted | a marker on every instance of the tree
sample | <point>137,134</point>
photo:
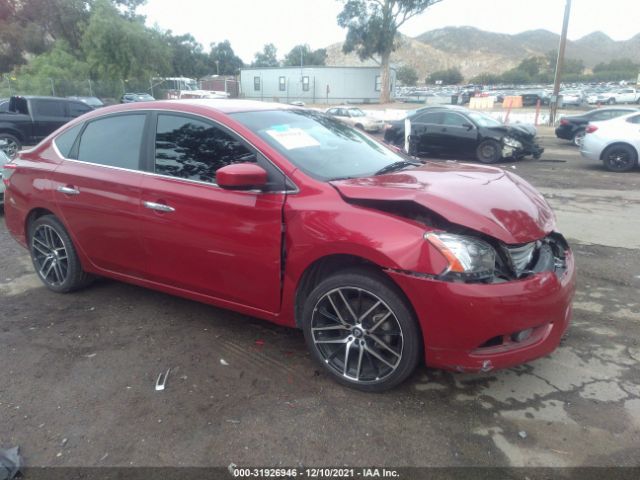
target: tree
<point>187,57</point>
<point>452,76</point>
<point>533,66</point>
<point>121,48</point>
<point>224,59</point>
<point>303,55</point>
<point>407,75</point>
<point>372,27</point>
<point>486,78</point>
<point>267,57</point>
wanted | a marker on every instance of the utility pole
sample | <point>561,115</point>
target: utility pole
<point>553,105</point>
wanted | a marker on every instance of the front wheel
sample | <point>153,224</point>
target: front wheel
<point>359,327</point>
<point>54,257</point>
<point>620,158</point>
<point>10,144</point>
<point>488,152</point>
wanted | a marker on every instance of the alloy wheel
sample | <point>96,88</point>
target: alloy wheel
<point>50,255</point>
<point>357,334</point>
<point>620,160</point>
<point>10,147</point>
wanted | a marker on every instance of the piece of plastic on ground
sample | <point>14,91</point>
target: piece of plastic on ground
<point>10,463</point>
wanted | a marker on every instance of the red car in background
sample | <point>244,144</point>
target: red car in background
<point>288,215</point>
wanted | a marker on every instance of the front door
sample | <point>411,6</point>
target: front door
<point>202,238</point>
<point>458,136</point>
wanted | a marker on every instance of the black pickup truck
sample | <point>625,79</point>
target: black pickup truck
<point>30,119</point>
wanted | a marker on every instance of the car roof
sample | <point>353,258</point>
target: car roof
<point>194,105</point>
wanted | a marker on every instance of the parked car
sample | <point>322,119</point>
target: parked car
<point>460,132</point>
<point>289,215</point>
<point>93,102</point>
<point>623,95</point>
<point>136,97</point>
<point>3,159</point>
<point>615,142</point>
<point>356,118</point>
<point>30,119</point>
<point>573,97</point>
<point>572,127</point>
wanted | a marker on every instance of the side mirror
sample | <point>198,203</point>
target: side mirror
<point>241,176</point>
<point>468,126</point>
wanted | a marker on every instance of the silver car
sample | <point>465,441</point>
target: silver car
<point>356,118</point>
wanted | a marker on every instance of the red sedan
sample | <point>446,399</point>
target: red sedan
<point>288,215</point>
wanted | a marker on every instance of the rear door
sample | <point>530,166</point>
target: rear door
<point>202,238</point>
<point>425,132</point>
<point>97,188</point>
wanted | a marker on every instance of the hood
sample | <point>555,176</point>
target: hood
<point>525,128</point>
<point>486,199</point>
<point>516,130</point>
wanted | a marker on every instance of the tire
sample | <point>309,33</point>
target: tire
<point>359,126</point>
<point>611,101</point>
<point>488,151</point>
<point>620,158</point>
<point>12,146</point>
<point>54,256</point>
<point>578,137</point>
<point>374,352</point>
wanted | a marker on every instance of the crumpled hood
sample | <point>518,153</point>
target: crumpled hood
<point>519,131</point>
<point>486,199</point>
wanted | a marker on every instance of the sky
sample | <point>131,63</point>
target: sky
<point>250,24</point>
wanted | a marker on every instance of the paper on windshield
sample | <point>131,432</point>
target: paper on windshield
<point>291,138</point>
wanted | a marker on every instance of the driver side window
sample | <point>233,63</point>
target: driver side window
<point>193,149</point>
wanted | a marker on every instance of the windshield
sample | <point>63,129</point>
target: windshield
<point>484,120</point>
<point>356,112</point>
<point>323,148</point>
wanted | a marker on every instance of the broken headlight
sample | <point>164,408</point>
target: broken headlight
<point>511,142</point>
<point>468,257</point>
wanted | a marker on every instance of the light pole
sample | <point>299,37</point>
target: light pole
<point>553,105</point>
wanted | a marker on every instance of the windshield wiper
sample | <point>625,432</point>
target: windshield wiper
<point>392,167</point>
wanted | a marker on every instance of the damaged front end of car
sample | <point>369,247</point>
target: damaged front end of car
<point>520,143</point>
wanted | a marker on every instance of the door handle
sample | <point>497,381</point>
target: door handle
<point>158,207</point>
<point>69,190</point>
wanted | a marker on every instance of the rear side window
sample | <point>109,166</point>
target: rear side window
<point>113,141</point>
<point>432,117</point>
<point>77,108</point>
<point>49,108</point>
<point>65,141</point>
<point>193,149</point>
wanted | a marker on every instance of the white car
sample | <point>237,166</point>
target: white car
<point>623,95</point>
<point>615,142</point>
<point>357,118</point>
<point>572,97</point>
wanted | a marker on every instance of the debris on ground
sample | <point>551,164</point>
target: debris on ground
<point>224,362</point>
<point>10,463</point>
<point>522,434</point>
<point>259,342</point>
<point>162,380</point>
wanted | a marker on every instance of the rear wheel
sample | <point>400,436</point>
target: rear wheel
<point>54,256</point>
<point>578,137</point>
<point>611,101</point>
<point>620,158</point>
<point>488,151</point>
<point>10,144</point>
<point>359,327</point>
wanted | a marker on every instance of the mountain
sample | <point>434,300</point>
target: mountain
<point>476,51</point>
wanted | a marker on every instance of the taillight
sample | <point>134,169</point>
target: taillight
<point>564,121</point>
<point>7,171</point>
<point>590,129</point>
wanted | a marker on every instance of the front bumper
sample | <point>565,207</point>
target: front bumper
<point>532,149</point>
<point>461,322</point>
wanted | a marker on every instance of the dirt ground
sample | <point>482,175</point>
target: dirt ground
<point>77,371</point>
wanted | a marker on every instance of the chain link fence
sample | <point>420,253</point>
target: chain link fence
<point>109,91</point>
